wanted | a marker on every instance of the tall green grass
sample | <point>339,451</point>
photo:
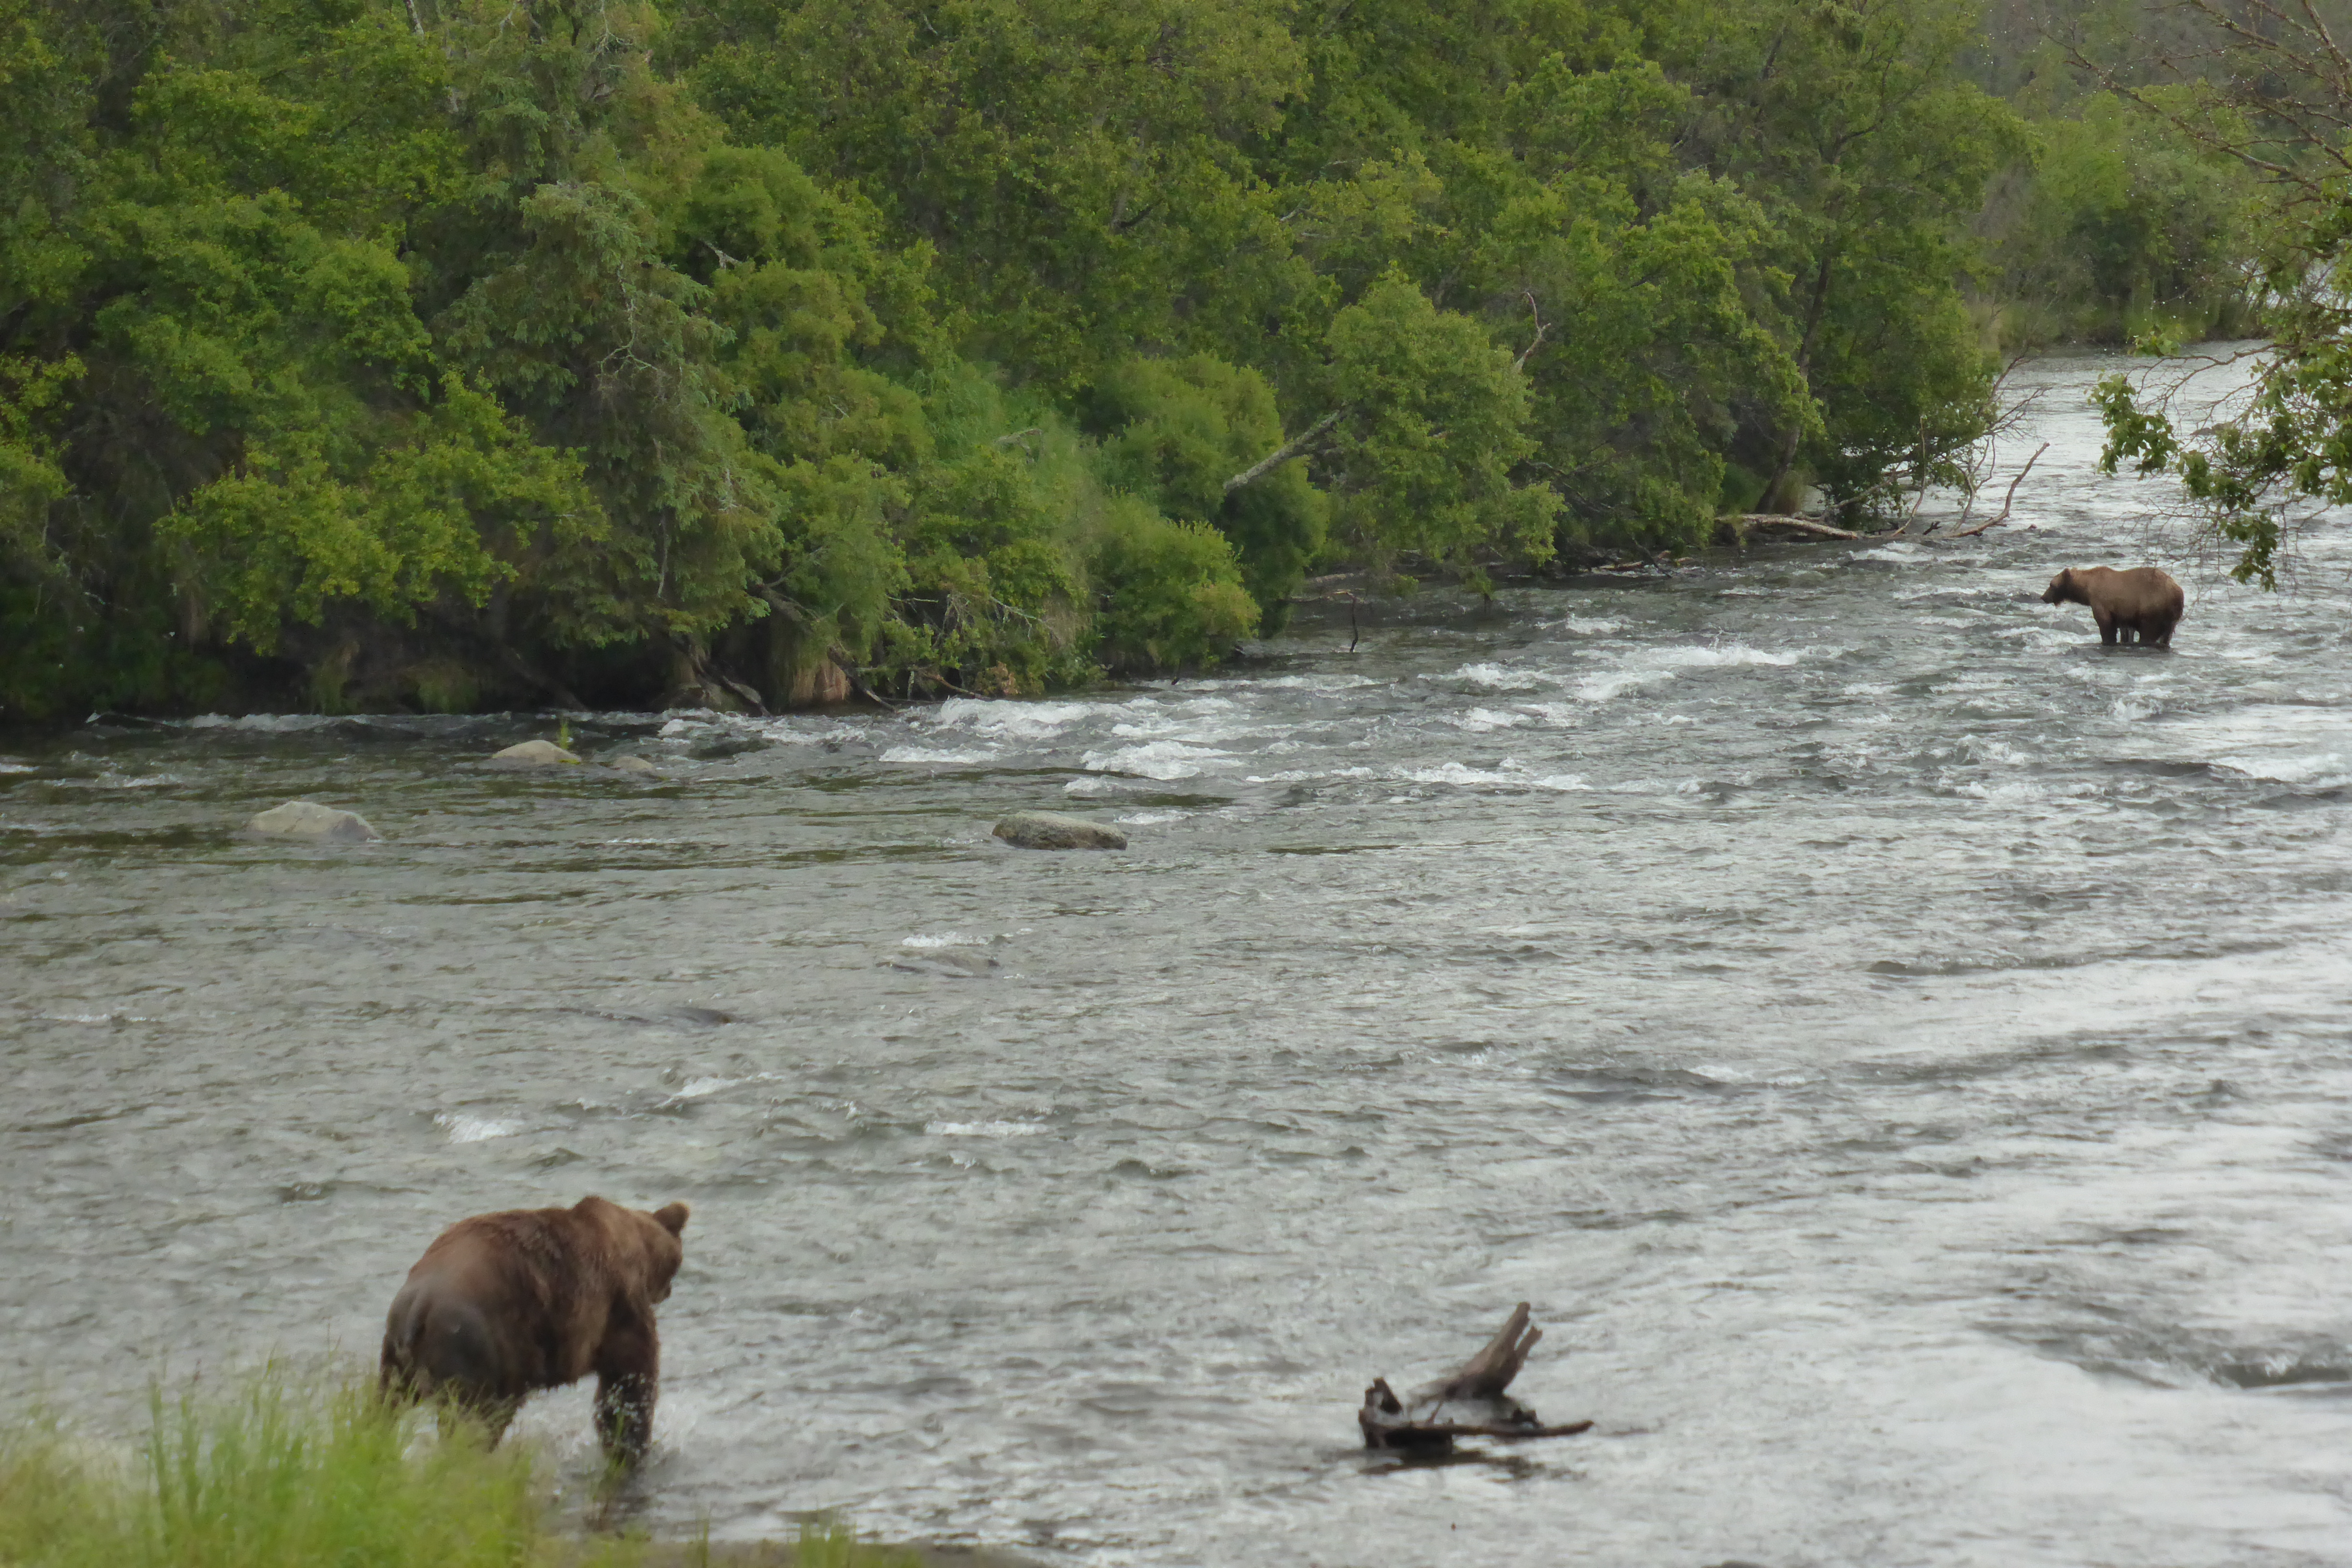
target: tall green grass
<point>280,1473</point>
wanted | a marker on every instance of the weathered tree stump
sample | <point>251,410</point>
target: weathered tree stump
<point>1470,1403</point>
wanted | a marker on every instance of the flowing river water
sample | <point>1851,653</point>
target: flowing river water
<point>1902,1049</point>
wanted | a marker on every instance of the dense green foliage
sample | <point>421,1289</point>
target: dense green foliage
<point>2124,227</point>
<point>443,353</point>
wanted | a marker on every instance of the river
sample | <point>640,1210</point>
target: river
<point>1902,1049</point>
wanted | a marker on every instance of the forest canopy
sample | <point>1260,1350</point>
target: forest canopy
<point>442,354</point>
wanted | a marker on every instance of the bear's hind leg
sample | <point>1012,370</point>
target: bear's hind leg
<point>628,1379</point>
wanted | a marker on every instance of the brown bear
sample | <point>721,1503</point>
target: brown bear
<point>2143,602</point>
<point>501,1304</point>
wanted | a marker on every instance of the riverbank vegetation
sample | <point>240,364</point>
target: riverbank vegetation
<point>277,1473</point>
<point>449,354</point>
<point>2275,96</point>
<point>2126,225</point>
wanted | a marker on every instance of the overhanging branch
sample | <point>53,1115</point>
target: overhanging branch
<point>1296,446</point>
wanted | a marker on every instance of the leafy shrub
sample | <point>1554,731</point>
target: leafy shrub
<point>1170,594</point>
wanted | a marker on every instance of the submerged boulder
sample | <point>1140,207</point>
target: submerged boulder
<point>630,763</point>
<point>535,754</point>
<point>1052,830</point>
<point>309,819</point>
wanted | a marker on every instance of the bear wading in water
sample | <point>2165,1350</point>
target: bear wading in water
<point>2142,602</point>
<point>502,1304</point>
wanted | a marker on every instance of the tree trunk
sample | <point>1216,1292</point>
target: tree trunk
<point>1295,446</point>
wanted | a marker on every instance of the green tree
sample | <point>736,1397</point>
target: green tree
<point>1175,431</point>
<point>1853,125</point>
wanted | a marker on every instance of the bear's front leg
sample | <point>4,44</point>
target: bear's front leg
<point>2106,624</point>
<point>628,1379</point>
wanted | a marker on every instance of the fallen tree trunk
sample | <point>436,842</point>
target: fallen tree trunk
<point>1796,525</point>
<point>1296,446</point>
<point>1470,1403</point>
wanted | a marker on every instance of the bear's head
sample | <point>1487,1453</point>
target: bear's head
<point>2062,590</point>
<point>664,1246</point>
<point>647,1245</point>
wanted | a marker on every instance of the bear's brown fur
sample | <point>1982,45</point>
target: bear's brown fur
<point>2143,602</point>
<point>502,1304</point>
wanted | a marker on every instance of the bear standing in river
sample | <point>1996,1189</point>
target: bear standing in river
<point>2142,601</point>
<point>502,1304</point>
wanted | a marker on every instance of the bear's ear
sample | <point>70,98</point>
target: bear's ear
<point>671,1217</point>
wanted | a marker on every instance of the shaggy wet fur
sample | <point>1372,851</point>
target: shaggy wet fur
<point>502,1304</point>
<point>2142,604</point>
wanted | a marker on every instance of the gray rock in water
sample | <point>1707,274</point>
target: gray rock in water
<point>630,763</point>
<point>1052,830</point>
<point>309,819</point>
<point>535,754</point>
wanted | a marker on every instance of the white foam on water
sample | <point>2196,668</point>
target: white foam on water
<point>985,1129</point>
<point>1305,775</point>
<point>2323,770</point>
<point>1158,760</point>
<point>2308,745</point>
<point>1025,720</point>
<point>697,1088</point>
<point>8,767</point>
<point>1653,787</point>
<point>1717,655</point>
<point>942,939</point>
<point>1481,720</point>
<point>1500,677</point>
<point>1150,818</point>
<point>674,727</point>
<point>1583,627</point>
<point>1601,688</point>
<point>1096,785</point>
<point>2038,638</point>
<point>1201,721</point>
<point>930,754</point>
<point>464,1129</point>
<point>2021,792</point>
<point>1332,682</point>
<point>1657,786</point>
<point>1511,774</point>
<point>1647,667</point>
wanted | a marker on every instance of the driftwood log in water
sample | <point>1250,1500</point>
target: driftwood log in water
<point>1805,525</point>
<point>1470,1403</point>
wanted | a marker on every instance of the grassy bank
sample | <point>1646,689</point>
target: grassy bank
<point>276,1474</point>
